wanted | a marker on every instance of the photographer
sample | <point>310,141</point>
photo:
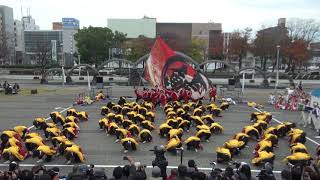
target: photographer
<point>160,160</point>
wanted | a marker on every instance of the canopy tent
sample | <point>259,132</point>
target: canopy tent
<point>315,96</point>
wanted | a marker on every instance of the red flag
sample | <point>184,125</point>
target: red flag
<point>169,70</point>
<point>159,55</point>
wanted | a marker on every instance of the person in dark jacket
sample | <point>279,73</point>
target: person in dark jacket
<point>182,173</point>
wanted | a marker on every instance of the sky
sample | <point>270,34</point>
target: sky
<point>233,14</point>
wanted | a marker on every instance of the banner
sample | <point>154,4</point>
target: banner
<point>169,70</point>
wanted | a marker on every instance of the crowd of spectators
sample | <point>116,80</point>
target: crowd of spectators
<point>137,171</point>
<point>7,88</point>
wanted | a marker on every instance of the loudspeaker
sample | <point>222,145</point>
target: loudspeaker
<point>231,82</point>
<point>99,79</point>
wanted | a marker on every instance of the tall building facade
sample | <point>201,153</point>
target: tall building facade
<point>205,31</point>
<point>7,35</point>
<point>43,41</point>
<point>70,27</point>
<point>19,42</point>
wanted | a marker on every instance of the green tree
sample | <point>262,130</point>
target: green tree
<point>198,49</point>
<point>138,47</point>
<point>93,43</point>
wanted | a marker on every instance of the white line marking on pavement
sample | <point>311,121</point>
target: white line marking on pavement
<point>113,166</point>
<point>31,127</point>
<point>276,120</point>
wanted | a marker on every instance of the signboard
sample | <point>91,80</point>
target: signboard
<point>54,50</point>
<point>70,23</point>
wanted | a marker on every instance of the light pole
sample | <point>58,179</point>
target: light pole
<point>277,77</point>
<point>79,64</point>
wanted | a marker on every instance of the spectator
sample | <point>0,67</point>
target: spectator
<point>182,173</point>
<point>228,173</point>
<point>43,177</point>
<point>137,171</point>
<point>126,172</point>
<point>26,175</point>
<point>173,175</point>
<point>54,173</point>
<point>200,176</point>
<point>266,173</point>
<point>78,173</point>
<point>192,169</point>
<point>100,174</point>
<point>244,172</point>
<point>286,175</point>
<point>117,173</point>
<point>156,173</point>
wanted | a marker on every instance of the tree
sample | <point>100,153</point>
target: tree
<point>266,41</point>
<point>93,43</point>
<point>239,44</point>
<point>303,29</point>
<point>198,49</point>
<point>301,32</point>
<point>138,47</point>
<point>43,57</point>
<point>5,50</point>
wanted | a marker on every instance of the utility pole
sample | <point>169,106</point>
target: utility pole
<point>277,76</point>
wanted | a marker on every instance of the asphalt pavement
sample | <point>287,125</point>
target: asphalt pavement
<point>102,150</point>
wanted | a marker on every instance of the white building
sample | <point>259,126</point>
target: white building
<point>18,35</point>
<point>29,23</point>
<point>70,26</point>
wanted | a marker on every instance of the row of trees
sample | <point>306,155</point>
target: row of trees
<point>294,41</point>
<point>94,44</point>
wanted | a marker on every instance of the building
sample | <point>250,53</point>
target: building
<point>18,41</point>
<point>134,27</point>
<point>44,41</point>
<point>278,33</point>
<point>6,35</point>
<point>57,26</point>
<point>29,23</point>
<point>70,23</point>
<point>70,27</point>
<point>315,49</point>
<point>177,35</point>
<point>202,31</point>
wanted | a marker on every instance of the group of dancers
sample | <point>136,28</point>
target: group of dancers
<point>267,137</point>
<point>133,122</point>
<point>291,100</point>
<point>160,96</point>
<point>19,143</point>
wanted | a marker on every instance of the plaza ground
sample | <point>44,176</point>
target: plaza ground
<point>101,150</point>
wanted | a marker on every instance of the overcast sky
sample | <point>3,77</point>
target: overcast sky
<point>233,14</point>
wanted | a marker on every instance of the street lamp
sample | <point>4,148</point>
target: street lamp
<point>277,77</point>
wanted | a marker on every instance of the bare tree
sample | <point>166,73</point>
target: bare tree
<point>303,29</point>
<point>5,50</point>
<point>42,57</point>
<point>301,32</point>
